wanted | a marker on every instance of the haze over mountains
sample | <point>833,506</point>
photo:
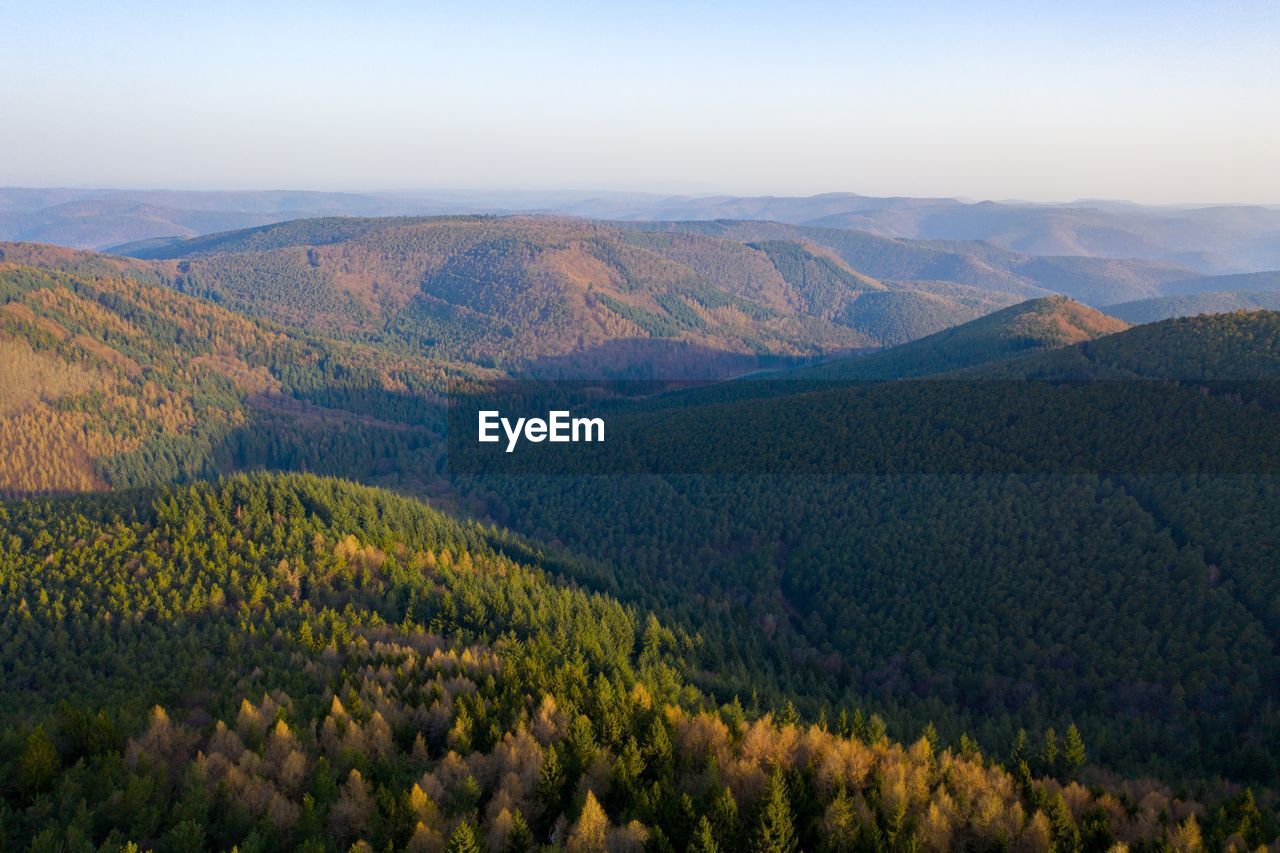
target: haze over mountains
<point>1208,240</point>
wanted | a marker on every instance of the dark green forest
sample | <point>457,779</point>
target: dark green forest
<point>278,662</point>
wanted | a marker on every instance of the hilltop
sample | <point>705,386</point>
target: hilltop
<point>977,264</point>
<point>1244,345</point>
<point>1038,324</point>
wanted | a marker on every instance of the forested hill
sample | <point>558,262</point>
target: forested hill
<point>1019,330</point>
<point>109,378</point>
<point>1243,345</point>
<point>281,662</point>
<point>956,266</point>
<point>985,555</point>
<point>565,295</point>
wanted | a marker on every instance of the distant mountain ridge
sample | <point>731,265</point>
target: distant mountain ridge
<point>1210,239</point>
<point>1192,304</point>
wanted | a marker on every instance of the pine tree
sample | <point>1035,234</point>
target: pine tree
<point>38,763</point>
<point>520,838</point>
<point>704,840</point>
<point>858,727</point>
<point>775,833</point>
<point>844,726</point>
<point>1020,750</point>
<point>581,742</point>
<point>1066,835</point>
<point>876,730</point>
<point>724,819</point>
<point>841,823</point>
<point>551,781</point>
<point>1049,755</point>
<point>464,839</point>
<point>1250,826</point>
<point>1073,752</point>
<point>930,735</point>
<point>734,715</point>
<point>657,747</point>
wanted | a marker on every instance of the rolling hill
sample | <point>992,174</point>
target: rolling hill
<point>1210,240</point>
<point>561,294</point>
<point>1258,282</point>
<point>1021,329</point>
<point>971,551</point>
<point>1095,281</point>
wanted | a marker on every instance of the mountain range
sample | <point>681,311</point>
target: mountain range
<point>1207,239</point>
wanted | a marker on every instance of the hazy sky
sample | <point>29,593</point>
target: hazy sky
<point>1152,101</point>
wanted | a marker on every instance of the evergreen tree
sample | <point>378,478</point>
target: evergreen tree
<point>725,821</point>
<point>551,784</point>
<point>520,837</point>
<point>1073,752</point>
<point>876,729</point>
<point>704,840</point>
<point>841,824</point>
<point>774,833</point>
<point>1065,833</point>
<point>1049,752</point>
<point>1020,751</point>
<point>930,735</point>
<point>465,839</point>
<point>38,763</point>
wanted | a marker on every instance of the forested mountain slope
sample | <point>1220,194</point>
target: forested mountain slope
<point>975,553</point>
<point>271,663</point>
<point>1243,345</point>
<point>1095,281</point>
<point>1072,553</point>
<point>109,378</point>
<point>1039,324</point>
<point>514,291</point>
<point>1258,282</point>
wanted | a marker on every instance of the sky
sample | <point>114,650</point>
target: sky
<point>1158,102</point>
